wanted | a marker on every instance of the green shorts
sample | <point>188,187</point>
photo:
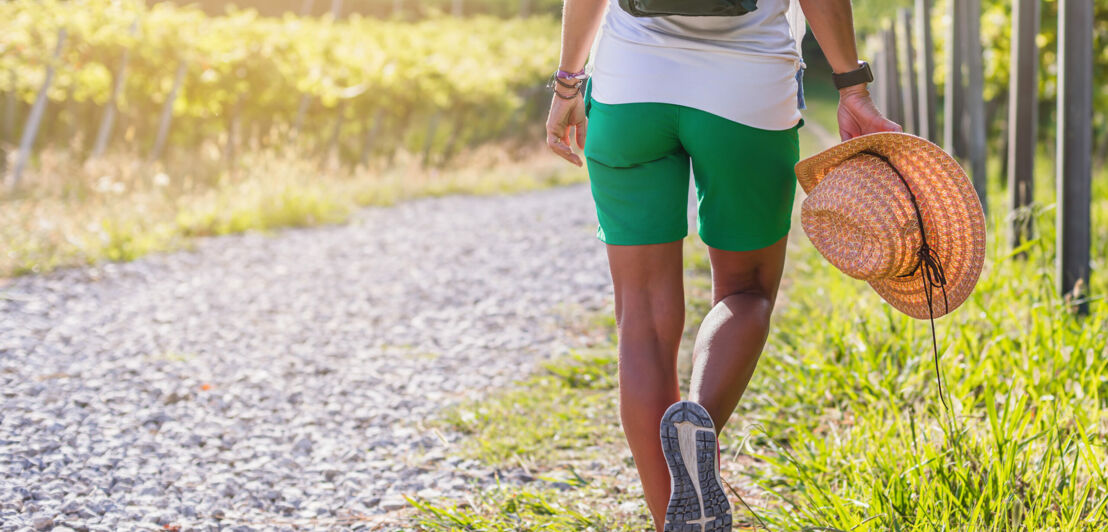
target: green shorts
<point>638,157</point>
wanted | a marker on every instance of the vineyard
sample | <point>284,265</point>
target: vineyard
<point>871,16</point>
<point>356,87</point>
<point>388,8</point>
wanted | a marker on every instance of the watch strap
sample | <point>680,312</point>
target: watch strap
<point>862,74</point>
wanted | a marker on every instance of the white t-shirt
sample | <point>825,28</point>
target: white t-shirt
<point>742,68</point>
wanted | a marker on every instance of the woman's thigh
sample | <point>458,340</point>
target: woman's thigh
<point>638,173</point>
<point>648,277</point>
<point>744,179</point>
<point>649,303</point>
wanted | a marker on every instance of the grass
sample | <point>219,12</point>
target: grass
<point>518,509</point>
<point>842,427</point>
<point>573,396</point>
<point>70,213</point>
<point>844,411</point>
<point>561,429</point>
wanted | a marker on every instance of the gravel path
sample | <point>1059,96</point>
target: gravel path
<point>265,382</point>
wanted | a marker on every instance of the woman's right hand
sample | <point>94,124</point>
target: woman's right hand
<point>566,114</point>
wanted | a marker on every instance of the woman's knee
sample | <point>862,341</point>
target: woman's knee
<point>754,276</point>
<point>650,312</point>
<point>753,306</point>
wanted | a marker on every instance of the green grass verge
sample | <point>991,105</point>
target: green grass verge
<point>511,509</point>
<point>566,409</point>
<point>559,426</point>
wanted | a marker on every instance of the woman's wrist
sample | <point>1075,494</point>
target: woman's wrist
<point>566,92</point>
<point>567,85</point>
<point>859,89</point>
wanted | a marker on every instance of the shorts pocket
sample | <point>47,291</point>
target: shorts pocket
<point>629,134</point>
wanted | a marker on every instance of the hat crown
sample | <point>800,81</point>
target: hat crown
<point>860,217</point>
<point>949,210</point>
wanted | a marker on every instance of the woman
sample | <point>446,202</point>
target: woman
<point>719,92</point>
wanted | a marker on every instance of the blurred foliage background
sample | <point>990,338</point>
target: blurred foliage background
<point>386,8</point>
<point>203,91</point>
<point>360,86</point>
<point>390,73</point>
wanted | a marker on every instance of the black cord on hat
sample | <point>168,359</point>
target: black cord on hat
<point>932,272</point>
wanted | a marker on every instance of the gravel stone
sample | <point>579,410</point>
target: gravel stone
<point>282,378</point>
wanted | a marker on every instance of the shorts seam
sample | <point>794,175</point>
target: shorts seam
<point>760,244</point>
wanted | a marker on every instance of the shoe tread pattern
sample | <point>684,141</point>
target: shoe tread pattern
<point>683,511</point>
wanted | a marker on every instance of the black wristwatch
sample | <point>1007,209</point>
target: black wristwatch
<point>862,74</point>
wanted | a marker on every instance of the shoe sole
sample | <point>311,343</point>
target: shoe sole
<point>697,502</point>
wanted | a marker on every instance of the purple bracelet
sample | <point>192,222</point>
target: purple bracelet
<point>562,74</point>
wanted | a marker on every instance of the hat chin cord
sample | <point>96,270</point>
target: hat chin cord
<point>932,272</point>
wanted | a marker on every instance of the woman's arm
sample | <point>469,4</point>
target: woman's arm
<point>832,23</point>
<point>580,20</point>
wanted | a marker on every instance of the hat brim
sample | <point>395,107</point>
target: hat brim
<point>954,222</point>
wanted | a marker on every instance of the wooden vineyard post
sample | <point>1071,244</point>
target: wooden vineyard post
<point>953,97</point>
<point>10,107</point>
<point>301,113</point>
<point>336,130</point>
<point>1074,160</point>
<point>460,118</point>
<point>104,134</point>
<point>893,94</point>
<point>34,119</point>
<point>234,129</point>
<point>910,93</point>
<point>336,9</point>
<point>1022,116</point>
<point>456,8</point>
<point>925,61</point>
<point>167,113</point>
<point>975,100</point>
<point>877,87</point>
<point>429,141</point>
<point>302,107</point>
<point>9,123</point>
<point>370,137</point>
<point>524,8</point>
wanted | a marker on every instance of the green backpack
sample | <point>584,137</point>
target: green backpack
<point>696,8</point>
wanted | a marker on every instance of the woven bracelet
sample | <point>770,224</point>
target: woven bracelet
<point>562,74</point>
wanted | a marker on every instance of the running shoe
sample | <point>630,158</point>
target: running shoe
<point>697,502</point>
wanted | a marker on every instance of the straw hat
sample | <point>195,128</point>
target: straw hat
<point>863,218</point>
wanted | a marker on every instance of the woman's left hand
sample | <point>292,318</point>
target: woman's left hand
<point>859,116</point>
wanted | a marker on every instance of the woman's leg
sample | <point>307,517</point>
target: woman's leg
<point>650,316</point>
<point>744,289</point>
<point>746,185</point>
